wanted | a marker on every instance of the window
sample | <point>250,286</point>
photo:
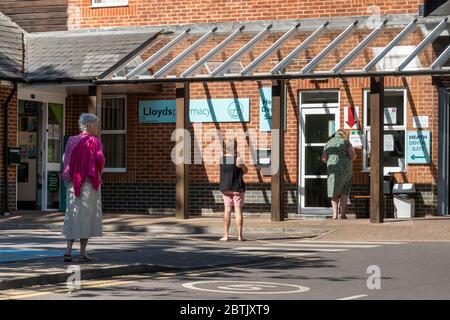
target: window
<point>314,97</point>
<point>109,3</point>
<point>395,57</point>
<point>394,130</point>
<point>113,133</point>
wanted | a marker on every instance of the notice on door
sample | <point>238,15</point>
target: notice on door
<point>388,142</point>
<point>53,182</point>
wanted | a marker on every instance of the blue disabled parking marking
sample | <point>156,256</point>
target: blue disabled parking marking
<point>11,255</point>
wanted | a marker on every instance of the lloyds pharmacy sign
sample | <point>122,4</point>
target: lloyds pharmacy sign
<point>200,110</point>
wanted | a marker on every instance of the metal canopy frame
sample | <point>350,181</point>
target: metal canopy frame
<point>279,71</point>
<point>428,39</point>
<point>184,54</point>
<point>352,54</point>
<point>279,77</point>
<point>254,64</point>
<point>283,63</point>
<point>212,53</point>
<point>316,60</point>
<point>161,53</point>
<point>220,70</point>
<point>391,45</point>
<point>439,62</point>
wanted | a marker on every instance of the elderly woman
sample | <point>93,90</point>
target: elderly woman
<point>83,166</point>
<point>338,155</point>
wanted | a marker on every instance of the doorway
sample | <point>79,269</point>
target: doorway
<point>318,122</point>
<point>40,138</point>
<point>443,151</point>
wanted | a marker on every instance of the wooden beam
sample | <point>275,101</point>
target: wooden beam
<point>95,99</point>
<point>277,153</point>
<point>182,167</point>
<point>376,149</point>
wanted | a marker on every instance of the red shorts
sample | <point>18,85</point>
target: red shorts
<point>233,199</point>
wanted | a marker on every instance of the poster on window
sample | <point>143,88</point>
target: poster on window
<point>388,142</point>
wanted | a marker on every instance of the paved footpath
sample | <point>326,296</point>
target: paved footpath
<point>34,256</point>
<point>430,228</point>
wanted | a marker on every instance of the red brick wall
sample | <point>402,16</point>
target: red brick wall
<point>149,146</point>
<point>159,12</point>
<point>75,106</point>
<point>12,141</point>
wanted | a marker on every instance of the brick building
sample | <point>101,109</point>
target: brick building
<point>56,71</point>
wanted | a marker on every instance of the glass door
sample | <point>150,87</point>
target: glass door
<point>317,126</point>
<point>27,172</point>
<point>52,143</point>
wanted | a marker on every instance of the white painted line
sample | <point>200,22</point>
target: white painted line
<point>321,245</point>
<point>353,297</point>
<point>278,253</point>
<point>264,248</point>
<point>245,287</point>
<point>352,242</point>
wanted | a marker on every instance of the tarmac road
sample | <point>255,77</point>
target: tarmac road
<point>300,269</point>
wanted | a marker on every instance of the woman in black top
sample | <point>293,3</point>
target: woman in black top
<point>232,186</point>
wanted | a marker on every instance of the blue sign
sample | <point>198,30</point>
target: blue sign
<point>200,110</point>
<point>219,110</point>
<point>157,111</point>
<point>418,147</point>
<point>265,109</point>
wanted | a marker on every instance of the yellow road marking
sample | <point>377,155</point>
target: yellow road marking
<point>23,296</point>
<point>90,284</point>
<point>108,284</point>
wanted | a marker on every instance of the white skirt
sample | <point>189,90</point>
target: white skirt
<point>83,218</point>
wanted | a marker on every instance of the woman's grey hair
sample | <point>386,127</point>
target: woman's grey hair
<point>86,119</point>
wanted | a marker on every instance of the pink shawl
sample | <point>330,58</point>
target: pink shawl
<point>83,160</point>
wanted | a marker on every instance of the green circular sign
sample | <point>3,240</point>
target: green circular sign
<point>53,182</point>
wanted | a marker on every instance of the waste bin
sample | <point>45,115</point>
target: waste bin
<point>404,202</point>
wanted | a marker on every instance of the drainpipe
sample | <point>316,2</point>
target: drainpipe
<point>5,107</point>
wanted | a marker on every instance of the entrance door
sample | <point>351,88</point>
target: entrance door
<point>28,139</point>
<point>41,129</point>
<point>52,143</point>
<point>317,125</point>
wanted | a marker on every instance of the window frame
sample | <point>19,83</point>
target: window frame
<point>403,127</point>
<point>122,3</point>
<point>319,105</point>
<point>124,131</point>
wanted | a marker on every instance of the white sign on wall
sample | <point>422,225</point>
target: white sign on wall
<point>420,122</point>
<point>356,139</point>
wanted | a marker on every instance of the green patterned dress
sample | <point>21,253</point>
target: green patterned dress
<point>339,166</point>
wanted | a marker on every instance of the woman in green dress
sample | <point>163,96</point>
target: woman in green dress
<point>338,155</point>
